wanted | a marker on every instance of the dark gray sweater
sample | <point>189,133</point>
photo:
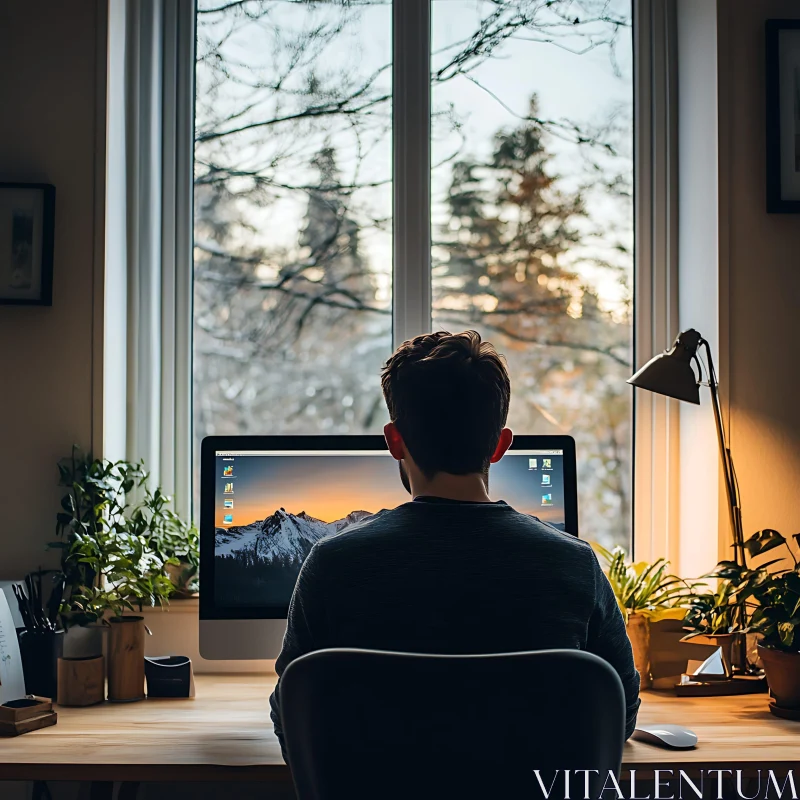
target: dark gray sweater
<point>440,576</point>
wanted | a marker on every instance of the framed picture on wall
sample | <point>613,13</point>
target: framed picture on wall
<point>783,115</point>
<point>27,218</point>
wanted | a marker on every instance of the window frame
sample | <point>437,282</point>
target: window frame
<point>411,157</point>
<point>655,420</point>
<point>656,441</point>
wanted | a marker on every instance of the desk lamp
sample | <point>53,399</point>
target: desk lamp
<point>672,374</point>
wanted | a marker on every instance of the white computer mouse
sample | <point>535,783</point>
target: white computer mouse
<point>672,736</point>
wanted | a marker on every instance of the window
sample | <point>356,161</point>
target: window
<point>531,216</point>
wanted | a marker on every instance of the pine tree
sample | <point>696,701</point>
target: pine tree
<point>506,266</point>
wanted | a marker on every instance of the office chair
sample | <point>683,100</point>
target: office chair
<point>371,724</point>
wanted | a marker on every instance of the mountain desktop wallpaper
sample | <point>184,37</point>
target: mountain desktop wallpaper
<point>270,511</point>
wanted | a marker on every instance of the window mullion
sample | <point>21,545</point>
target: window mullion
<point>411,126</point>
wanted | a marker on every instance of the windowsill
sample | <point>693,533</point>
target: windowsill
<point>190,605</point>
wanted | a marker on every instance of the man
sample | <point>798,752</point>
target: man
<point>451,571</point>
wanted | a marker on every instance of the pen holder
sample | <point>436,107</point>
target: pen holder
<point>40,652</point>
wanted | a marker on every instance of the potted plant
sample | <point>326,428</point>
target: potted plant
<point>718,617</point>
<point>110,559</point>
<point>177,540</point>
<point>762,600</point>
<point>775,615</point>
<point>646,594</point>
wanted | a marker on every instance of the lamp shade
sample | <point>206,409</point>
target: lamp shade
<point>671,373</point>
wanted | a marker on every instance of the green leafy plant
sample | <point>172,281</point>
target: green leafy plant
<point>646,589</point>
<point>117,538</point>
<point>776,611</point>
<point>753,599</point>
<point>713,613</point>
<point>175,538</point>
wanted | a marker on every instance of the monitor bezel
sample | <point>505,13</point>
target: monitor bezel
<point>209,610</point>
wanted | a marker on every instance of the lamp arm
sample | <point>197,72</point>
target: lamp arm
<point>731,485</point>
<point>732,492</point>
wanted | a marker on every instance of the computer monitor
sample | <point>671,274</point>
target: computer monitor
<point>265,501</point>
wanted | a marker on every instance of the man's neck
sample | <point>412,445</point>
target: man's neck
<point>467,488</point>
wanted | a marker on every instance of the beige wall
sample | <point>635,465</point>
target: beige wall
<point>48,89</point>
<point>702,525</point>
<point>763,262</point>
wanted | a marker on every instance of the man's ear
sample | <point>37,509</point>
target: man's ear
<point>394,441</point>
<point>506,437</point>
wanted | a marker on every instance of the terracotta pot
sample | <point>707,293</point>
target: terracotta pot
<point>638,628</point>
<point>670,654</point>
<point>126,659</point>
<point>783,676</point>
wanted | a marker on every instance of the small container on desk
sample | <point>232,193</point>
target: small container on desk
<point>169,676</point>
<point>40,651</point>
<point>25,715</point>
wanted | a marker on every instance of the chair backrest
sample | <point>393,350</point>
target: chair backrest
<point>371,724</point>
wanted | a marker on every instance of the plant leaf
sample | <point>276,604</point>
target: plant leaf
<point>762,541</point>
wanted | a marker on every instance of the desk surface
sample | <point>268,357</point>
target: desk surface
<point>225,734</point>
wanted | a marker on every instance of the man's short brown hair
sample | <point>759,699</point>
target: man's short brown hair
<point>448,395</point>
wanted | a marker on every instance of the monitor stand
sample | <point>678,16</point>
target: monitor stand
<point>238,639</point>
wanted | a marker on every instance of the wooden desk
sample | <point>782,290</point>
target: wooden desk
<point>225,734</point>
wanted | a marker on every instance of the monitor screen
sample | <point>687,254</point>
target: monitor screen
<point>270,507</point>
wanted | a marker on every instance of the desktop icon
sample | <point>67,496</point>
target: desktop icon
<point>227,471</point>
<point>228,519</point>
<point>228,488</point>
<point>532,463</point>
<point>227,503</point>
<point>547,499</point>
<point>547,463</point>
<point>545,480</point>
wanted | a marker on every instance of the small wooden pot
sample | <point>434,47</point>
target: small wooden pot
<point>670,653</point>
<point>126,660</point>
<point>638,628</point>
<point>81,681</point>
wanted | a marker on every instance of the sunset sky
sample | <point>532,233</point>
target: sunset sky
<point>330,487</point>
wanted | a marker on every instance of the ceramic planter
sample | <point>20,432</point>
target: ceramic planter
<point>84,641</point>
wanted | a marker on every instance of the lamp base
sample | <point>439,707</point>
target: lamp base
<point>738,684</point>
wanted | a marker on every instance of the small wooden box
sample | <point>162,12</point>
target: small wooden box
<point>26,707</point>
<point>25,715</point>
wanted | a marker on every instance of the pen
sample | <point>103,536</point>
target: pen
<point>39,620</point>
<point>56,595</point>
<point>31,598</point>
<point>23,608</point>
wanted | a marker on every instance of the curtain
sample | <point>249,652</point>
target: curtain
<point>147,306</point>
